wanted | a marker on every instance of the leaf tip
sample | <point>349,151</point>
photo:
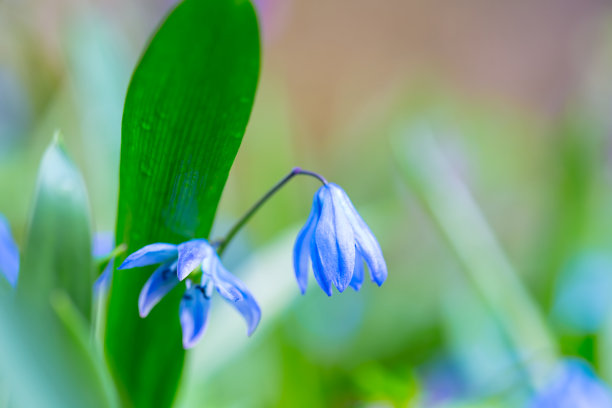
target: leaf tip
<point>58,139</point>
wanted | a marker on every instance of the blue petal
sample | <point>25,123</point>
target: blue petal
<point>322,279</point>
<point>301,250</point>
<point>367,244</point>
<point>193,312</point>
<point>103,244</point>
<point>226,283</point>
<point>190,256</point>
<point>9,253</point>
<point>161,282</point>
<point>357,273</point>
<point>149,255</point>
<point>335,241</point>
<point>103,281</point>
<point>209,268</point>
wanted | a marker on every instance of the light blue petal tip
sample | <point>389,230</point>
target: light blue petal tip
<point>358,273</point>
<point>150,255</point>
<point>255,317</point>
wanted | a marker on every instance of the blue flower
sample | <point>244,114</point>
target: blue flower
<point>9,253</point>
<point>337,241</point>
<point>575,385</point>
<point>177,262</point>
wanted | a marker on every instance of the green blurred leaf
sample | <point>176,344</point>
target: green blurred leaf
<point>47,359</point>
<point>427,170</point>
<point>57,253</point>
<point>185,114</point>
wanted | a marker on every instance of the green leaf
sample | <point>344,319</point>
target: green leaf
<point>57,253</point>
<point>48,360</point>
<point>185,114</point>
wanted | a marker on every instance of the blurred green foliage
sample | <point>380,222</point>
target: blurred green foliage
<point>541,181</point>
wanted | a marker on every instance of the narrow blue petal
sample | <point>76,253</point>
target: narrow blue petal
<point>190,256</point>
<point>319,272</point>
<point>103,244</point>
<point>358,273</point>
<point>367,244</point>
<point>150,255</point>
<point>247,306</point>
<point>159,284</point>
<point>9,253</point>
<point>335,241</point>
<point>301,250</point>
<point>103,281</point>
<point>193,312</point>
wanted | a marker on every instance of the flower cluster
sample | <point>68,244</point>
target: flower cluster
<point>335,239</point>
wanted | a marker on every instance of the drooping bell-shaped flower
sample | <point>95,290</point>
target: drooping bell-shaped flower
<point>337,241</point>
<point>575,385</point>
<point>9,253</point>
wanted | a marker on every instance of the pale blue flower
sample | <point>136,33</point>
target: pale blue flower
<point>575,385</point>
<point>337,241</point>
<point>9,253</point>
<point>177,262</point>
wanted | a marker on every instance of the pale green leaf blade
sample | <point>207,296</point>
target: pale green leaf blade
<point>57,253</point>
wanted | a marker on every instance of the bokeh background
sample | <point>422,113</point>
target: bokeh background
<point>518,96</point>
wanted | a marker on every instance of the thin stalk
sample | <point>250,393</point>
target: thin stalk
<point>222,243</point>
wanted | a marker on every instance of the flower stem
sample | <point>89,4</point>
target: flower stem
<point>222,243</point>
